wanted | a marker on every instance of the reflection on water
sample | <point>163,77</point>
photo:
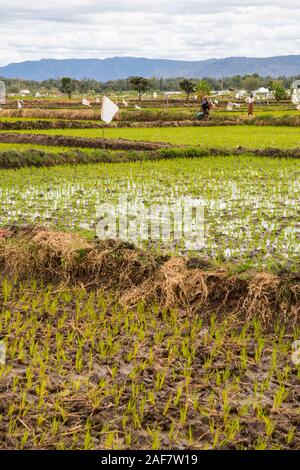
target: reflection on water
<point>251,212</point>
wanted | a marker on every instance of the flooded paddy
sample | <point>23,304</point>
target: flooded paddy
<point>250,205</point>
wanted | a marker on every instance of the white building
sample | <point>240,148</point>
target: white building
<point>296,88</point>
<point>240,94</point>
<point>263,93</point>
<point>24,92</point>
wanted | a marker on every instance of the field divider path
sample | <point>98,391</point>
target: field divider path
<point>153,150</point>
<point>68,124</point>
<point>55,123</point>
<point>195,286</point>
<point>65,141</point>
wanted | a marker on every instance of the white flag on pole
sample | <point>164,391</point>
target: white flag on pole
<point>125,103</point>
<point>109,110</point>
<point>85,102</point>
<point>20,104</point>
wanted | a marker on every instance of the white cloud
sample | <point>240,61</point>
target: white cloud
<point>191,30</point>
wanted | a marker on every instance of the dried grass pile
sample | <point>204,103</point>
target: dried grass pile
<point>136,276</point>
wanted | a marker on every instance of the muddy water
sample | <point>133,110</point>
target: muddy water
<point>250,207</point>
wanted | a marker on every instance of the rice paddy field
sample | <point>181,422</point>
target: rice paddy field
<point>225,137</point>
<point>150,342</point>
<point>247,218</point>
<point>22,147</point>
<point>83,373</point>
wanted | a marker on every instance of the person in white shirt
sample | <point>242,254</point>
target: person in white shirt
<point>250,102</point>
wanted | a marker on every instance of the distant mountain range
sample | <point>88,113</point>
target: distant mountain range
<point>123,67</point>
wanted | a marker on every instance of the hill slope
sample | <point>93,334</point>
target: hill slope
<point>123,67</point>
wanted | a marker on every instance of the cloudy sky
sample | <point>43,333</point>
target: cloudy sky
<point>174,29</point>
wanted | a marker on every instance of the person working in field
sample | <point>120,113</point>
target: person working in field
<point>205,106</point>
<point>250,102</point>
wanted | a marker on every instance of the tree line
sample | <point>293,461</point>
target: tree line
<point>141,85</point>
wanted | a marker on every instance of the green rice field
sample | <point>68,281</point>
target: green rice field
<point>219,136</point>
<point>251,203</point>
<point>180,332</point>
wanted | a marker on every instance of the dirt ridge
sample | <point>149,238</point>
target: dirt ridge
<point>66,141</point>
<point>134,275</point>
